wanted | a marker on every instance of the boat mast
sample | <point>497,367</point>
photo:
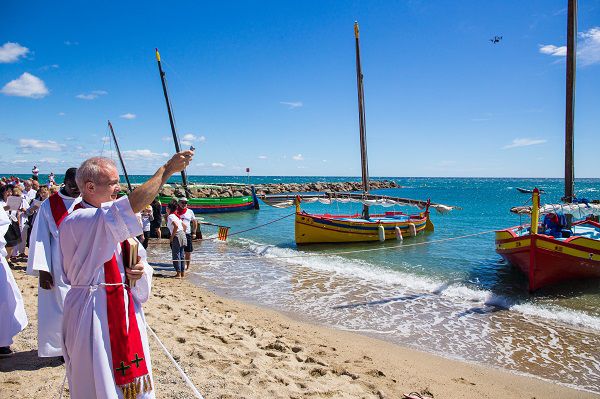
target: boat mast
<point>361,120</point>
<point>120,157</point>
<point>171,119</point>
<point>570,103</point>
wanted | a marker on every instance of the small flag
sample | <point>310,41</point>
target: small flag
<point>247,170</point>
<point>223,231</point>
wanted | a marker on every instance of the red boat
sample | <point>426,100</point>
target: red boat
<point>548,259</point>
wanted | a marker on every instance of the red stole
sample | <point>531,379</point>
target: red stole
<point>58,208</point>
<point>128,358</point>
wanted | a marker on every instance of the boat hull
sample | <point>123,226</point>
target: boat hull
<point>216,205</point>
<point>313,229</point>
<point>546,260</point>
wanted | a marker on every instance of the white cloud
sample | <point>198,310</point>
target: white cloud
<point>11,52</point>
<point>292,104</point>
<point>47,67</point>
<point>134,155</point>
<point>298,157</point>
<point>553,50</point>
<point>105,139</point>
<point>33,144</point>
<point>217,165</point>
<point>70,43</point>
<point>588,47</point>
<point>166,138</point>
<point>523,143</point>
<point>128,116</point>
<point>92,96</point>
<point>26,85</point>
<point>50,161</point>
<point>190,138</point>
<point>61,114</point>
<point>262,157</point>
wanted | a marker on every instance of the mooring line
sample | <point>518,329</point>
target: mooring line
<point>342,252</point>
<point>211,238</point>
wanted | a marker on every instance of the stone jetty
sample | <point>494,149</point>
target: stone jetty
<point>200,190</point>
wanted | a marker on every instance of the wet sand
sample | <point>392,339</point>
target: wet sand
<point>231,349</point>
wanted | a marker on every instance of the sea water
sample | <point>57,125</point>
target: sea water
<point>445,292</point>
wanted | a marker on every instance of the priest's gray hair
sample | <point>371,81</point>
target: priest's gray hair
<point>91,168</point>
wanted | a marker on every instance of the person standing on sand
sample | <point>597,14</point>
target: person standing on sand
<point>12,312</point>
<point>176,239</point>
<point>105,343</point>
<point>45,260</point>
<point>191,226</point>
<point>157,218</point>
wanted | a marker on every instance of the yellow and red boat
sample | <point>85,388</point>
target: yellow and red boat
<point>311,229</point>
<point>550,252</point>
<point>326,228</point>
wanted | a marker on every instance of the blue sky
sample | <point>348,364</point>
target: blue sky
<point>272,86</point>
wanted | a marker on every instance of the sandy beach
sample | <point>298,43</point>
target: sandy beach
<point>234,350</point>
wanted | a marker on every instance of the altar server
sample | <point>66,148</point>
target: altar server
<point>104,330</point>
<point>45,260</point>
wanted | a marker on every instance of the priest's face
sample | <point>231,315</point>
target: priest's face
<point>104,188</point>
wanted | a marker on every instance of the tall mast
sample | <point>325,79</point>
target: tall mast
<point>120,157</point>
<point>570,103</point>
<point>171,119</point>
<point>361,120</point>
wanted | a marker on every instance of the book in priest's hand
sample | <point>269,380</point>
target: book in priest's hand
<point>130,259</point>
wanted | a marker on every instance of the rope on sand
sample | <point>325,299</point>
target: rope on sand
<point>183,375</point>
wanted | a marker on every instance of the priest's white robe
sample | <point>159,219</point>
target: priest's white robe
<point>12,312</point>
<point>88,238</point>
<point>45,255</point>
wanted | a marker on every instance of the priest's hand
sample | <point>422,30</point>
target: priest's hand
<point>46,281</point>
<point>145,194</point>
<point>135,272</point>
<point>179,162</point>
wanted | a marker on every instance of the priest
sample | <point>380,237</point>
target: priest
<point>45,260</point>
<point>12,312</point>
<point>104,330</point>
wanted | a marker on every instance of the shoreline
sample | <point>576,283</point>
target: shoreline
<point>232,349</point>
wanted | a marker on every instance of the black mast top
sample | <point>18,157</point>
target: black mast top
<point>120,157</point>
<point>361,121</point>
<point>570,103</point>
<point>171,119</point>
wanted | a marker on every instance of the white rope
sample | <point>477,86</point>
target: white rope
<point>183,375</point>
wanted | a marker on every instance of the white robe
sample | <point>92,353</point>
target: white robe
<point>88,238</point>
<point>12,312</point>
<point>44,255</point>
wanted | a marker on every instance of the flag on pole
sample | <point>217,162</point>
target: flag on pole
<point>223,231</point>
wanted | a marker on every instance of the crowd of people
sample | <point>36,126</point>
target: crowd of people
<point>91,289</point>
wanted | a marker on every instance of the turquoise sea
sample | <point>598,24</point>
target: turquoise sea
<point>456,298</point>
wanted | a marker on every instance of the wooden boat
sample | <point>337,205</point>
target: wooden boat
<point>548,256</point>
<point>528,191</point>
<point>557,249</point>
<point>326,228</point>
<point>217,204</point>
